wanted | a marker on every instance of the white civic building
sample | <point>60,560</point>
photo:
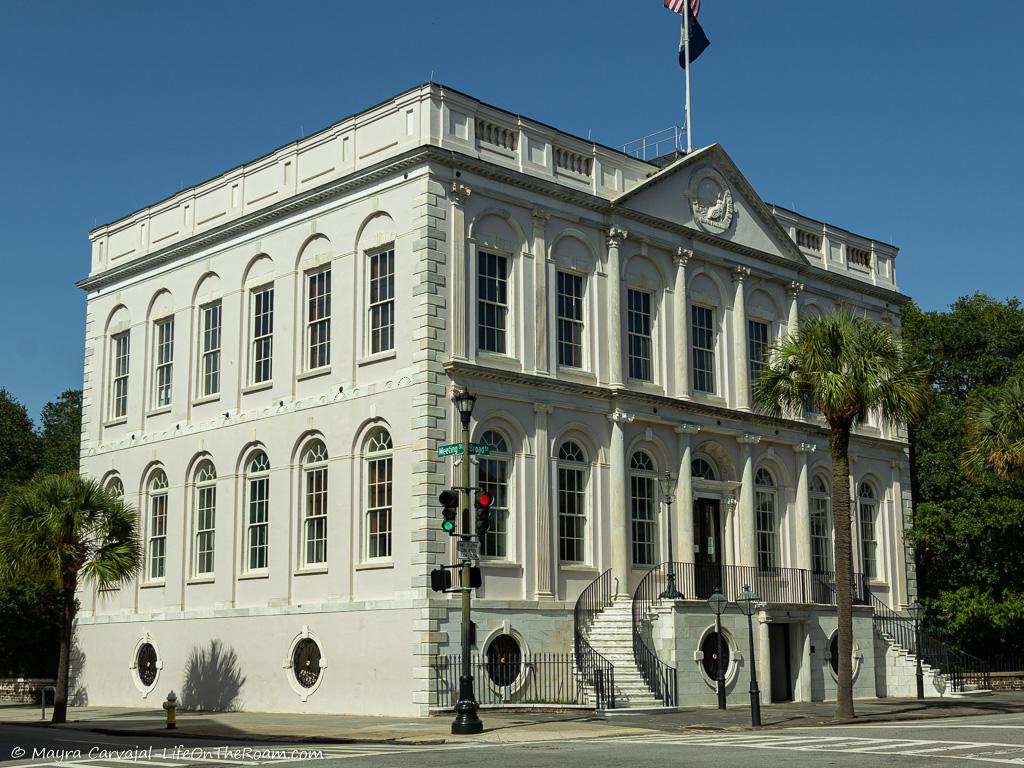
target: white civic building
<point>269,362</point>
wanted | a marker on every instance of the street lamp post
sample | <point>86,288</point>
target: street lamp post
<point>747,602</point>
<point>718,603</point>
<point>916,611</point>
<point>466,720</point>
<point>668,495</point>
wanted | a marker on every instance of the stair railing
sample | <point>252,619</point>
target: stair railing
<point>595,671</point>
<point>659,676</point>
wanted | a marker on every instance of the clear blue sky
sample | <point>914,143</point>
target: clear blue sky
<point>898,120</point>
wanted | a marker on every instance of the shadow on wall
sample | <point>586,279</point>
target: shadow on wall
<point>213,680</point>
<point>78,696</point>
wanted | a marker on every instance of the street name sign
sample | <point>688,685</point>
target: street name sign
<point>455,449</point>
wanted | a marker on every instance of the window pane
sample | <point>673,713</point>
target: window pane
<point>318,319</point>
<point>211,320</point>
<point>382,301</point>
<point>263,335</point>
<point>757,348</point>
<point>163,358</point>
<point>119,378</point>
<point>639,334</point>
<point>570,320</point>
<point>492,301</point>
<point>702,334</point>
<point>644,519</point>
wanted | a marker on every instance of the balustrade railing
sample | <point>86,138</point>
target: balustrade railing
<point>594,670</point>
<point>659,676</point>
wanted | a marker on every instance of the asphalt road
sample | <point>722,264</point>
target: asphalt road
<point>968,741</point>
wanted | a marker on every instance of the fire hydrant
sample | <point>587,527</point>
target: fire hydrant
<point>171,705</point>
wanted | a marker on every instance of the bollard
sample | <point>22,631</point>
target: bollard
<point>171,705</point>
<point>42,698</point>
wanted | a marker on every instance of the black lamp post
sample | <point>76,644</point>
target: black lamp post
<point>668,495</point>
<point>466,720</point>
<point>916,611</point>
<point>718,603</point>
<point>747,602</point>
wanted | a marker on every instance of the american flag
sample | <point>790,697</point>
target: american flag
<point>676,6</point>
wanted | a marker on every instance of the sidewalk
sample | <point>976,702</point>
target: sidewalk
<point>499,727</point>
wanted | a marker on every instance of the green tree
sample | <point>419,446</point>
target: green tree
<point>61,435</point>
<point>19,445</point>
<point>70,531</point>
<point>847,366</point>
<point>995,431</point>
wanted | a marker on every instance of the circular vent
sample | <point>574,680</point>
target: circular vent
<point>504,660</point>
<point>710,650</point>
<point>306,662</point>
<point>145,664</point>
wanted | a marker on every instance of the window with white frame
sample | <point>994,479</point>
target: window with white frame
<point>314,504</point>
<point>257,481</point>
<point>378,457</point>
<point>702,335</point>
<point>493,478</point>
<point>638,305</point>
<point>318,319</point>
<point>209,363</point>
<point>868,511</point>
<point>821,526</point>
<point>163,361</point>
<point>757,348</point>
<point>766,501</point>
<point>205,518</point>
<point>643,507</point>
<point>115,487</point>
<point>120,344</point>
<point>492,302</point>
<point>572,505</point>
<point>702,469</point>
<point>382,301</point>
<point>157,524</point>
<point>262,334</point>
<point>570,320</point>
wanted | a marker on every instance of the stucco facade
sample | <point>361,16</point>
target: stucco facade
<point>269,360</point>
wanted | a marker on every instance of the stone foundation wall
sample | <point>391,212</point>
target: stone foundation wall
<point>23,690</point>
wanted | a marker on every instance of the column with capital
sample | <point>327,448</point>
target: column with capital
<point>614,307</point>
<point>803,530</point>
<point>681,354</point>
<point>540,271</point>
<point>459,270</point>
<point>618,528</point>
<point>793,323</point>
<point>684,492</point>
<point>739,340</point>
<point>542,555</point>
<point>745,519</point>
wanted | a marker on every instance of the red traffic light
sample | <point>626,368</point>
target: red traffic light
<point>484,500</point>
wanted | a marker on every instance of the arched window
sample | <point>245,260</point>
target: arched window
<point>493,477</point>
<point>821,526</point>
<point>765,500</point>
<point>115,487</point>
<point>702,469</point>
<point>378,452</point>
<point>867,508</point>
<point>314,504</point>
<point>157,524</point>
<point>643,508</point>
<point>572,503</point>
<point>205,518</point>
<point>257,481</point>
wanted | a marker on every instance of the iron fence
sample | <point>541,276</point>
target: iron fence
<point>543,678</point>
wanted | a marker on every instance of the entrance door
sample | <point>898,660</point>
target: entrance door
<point>707,538</point>
<point>782,673</point>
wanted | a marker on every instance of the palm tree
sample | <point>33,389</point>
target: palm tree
<point>68,529</point>
<point>994,431</point>
<point>846,366</point>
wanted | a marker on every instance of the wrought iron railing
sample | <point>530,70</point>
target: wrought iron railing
<point>960,669</point>
<point>593,669</point>
<point>659,676</point>
<point>543,678</point>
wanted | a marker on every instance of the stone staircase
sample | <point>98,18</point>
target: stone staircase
<point>611,635</point>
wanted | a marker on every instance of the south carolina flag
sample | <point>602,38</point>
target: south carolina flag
<point>698,40</point>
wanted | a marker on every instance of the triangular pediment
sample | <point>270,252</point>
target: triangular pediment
<point>706,192</point>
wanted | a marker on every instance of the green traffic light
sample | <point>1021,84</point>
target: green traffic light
<point>448,526</point>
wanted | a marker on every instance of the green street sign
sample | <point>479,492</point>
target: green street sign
<point>455,449</point>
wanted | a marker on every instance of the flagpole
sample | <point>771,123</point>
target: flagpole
<point>686,54</point>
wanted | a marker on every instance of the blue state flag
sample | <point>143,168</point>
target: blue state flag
<point>698,42</point>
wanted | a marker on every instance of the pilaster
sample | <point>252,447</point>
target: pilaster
<point>460,271</point>
<point>746,522</point>
<point>618,530</point>
<point>739,341</point>
<point>614,239</point>
<point>803,529</point>
<point>542,335</point>
<point>681,358</point>
<point>793,292</point>
<point>684,492</point>
<point>542,545</point>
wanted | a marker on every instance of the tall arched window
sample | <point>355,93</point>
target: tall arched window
<point>493,477</point>
<point>821,526</point>
<point>643,506</point>
<point>867,508</point>
<point>205,518</point>
<point>378,454</point>
<point>314,504</point>
<point>257,481</point>
<point>702,469</point>
<point>572,506</point>
<point>156,529</point>
<point>765,500</point>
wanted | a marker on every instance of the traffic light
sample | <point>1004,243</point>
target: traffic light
<point>450,510</point>
<point>484,513</point>
<point>440,579</point>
